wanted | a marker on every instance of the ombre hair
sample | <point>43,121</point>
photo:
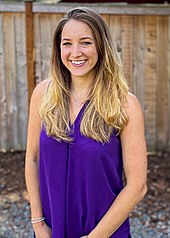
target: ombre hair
<point>105,112</point>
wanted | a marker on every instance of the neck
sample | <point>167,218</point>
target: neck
<point>81,87</point>
<point>80,90</point>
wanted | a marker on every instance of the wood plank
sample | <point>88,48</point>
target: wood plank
<point>168,112</point>
<point>55,18</point>
<point>12,7</point>
<point>150,79</point>
<point>115,31</point>
<point>138,58</point>
<point>30,49</point>
<point>162,82</point>
<point>105,8</point>
<point>3,107</point>
<point>46,43</point>
<point>11,80</point>
<point>43,58</point>
<point>106,18</point>
<point>37,48</point>
<point>21,70</point>
<point>127,48</point>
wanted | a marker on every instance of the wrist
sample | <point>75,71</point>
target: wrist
<point>36,220</point>
<point>41,223</point>
<point>95,234</point>
<point>38,226</point>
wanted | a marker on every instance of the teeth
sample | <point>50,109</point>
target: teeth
<point>78,62</point>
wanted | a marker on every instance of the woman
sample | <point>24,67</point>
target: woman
<point>84,126</point>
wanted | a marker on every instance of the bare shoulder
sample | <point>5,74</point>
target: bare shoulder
<point>132,106</point>
<point>133,134</point>
<point>39,91</point>
<point>41,88</point>
<point>36,100</point>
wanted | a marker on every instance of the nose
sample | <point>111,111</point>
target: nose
<point>76,51</point>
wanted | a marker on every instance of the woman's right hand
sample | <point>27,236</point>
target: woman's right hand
<point>42,230</point>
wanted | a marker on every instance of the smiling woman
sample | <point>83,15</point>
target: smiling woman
<point>78,52</point>
<point>84,128</point>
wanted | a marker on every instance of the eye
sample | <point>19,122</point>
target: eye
<point>85,43</point>
<point>66,43</point>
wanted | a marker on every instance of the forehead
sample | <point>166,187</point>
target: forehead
<point>74,28</point>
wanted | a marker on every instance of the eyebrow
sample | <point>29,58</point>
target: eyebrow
<point>86,37</point>
<point>82,38</point>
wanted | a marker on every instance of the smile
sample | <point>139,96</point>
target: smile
<point>78,62</point>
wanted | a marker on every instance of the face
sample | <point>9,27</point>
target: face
<point>78,49</point>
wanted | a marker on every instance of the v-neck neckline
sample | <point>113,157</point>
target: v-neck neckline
<point>78,115</point>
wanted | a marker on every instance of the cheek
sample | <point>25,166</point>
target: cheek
<point>94,54</point>
<point>64,55</point>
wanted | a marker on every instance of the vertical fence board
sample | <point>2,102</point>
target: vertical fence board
<point>106,18</point>
<point>115,30</point>
<point>54,21</point>
<point>11,83</point>
<point>21,71</point>
<point>138,58</point>
<point>37,48</point>
<point>45,26</point>
<point>150,79</point>
<point>162,82</point>
<point>3,99</point>
<point>168,112</point>
<point>46,43</point>
<point>127,48</point>
<point>29,31</point>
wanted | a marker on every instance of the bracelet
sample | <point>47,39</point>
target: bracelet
<point>36,220</point>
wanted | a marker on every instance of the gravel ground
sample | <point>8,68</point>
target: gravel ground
<point>150,218</point>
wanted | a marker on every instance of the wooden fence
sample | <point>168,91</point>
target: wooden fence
<point>142,37</point>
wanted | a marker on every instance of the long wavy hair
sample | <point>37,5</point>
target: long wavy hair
<point>104,112</point>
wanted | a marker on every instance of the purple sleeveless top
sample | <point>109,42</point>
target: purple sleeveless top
<point>79,181</point>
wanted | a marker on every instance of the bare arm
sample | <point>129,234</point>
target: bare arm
<point>32,156</point>
<point>135,166</point>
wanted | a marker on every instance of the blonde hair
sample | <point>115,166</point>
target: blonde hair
<point>105,111</point>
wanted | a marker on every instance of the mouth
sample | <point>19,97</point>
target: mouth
<point>78,63</point>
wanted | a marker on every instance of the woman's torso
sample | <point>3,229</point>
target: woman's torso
<point>79,181</point>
